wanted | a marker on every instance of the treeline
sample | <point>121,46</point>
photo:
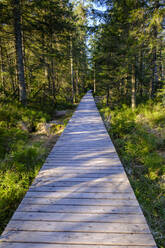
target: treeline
<point>42,51</point>
<point>128,51</point>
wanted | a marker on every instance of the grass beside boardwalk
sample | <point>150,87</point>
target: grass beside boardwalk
<point>23,149</point>
<point>139,137</point>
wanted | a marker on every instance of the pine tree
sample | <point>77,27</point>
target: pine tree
<point>16,4</point>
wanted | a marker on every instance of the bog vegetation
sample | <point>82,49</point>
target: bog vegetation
<point>50,54</point>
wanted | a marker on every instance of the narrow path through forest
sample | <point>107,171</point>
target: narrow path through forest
<point>82,197</point>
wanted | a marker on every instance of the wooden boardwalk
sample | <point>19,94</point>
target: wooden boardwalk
<point>81,197</point>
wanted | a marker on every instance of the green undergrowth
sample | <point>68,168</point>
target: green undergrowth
<point>139,137</point>
<point>22,152</point>
<point>17,171</point>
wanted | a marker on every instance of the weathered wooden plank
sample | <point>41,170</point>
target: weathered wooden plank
<point>59,175</point>
<point>78,149</point>
<point>81,195</point>
<point>76,217</point>
<point>99,152</point>
<point>78,238</point>
<point>79,201</point>
<point>88,161</point>
<point>76,227</point>
<point>86,189</point>
<point>72,170</point>
<point>79,164</point>
<point>74,159</point>
<point>80,168</point>
<point>118,184</point>
<point>83,146</point>
<point>85,138</point>
<point>82,178</point>
<point>83,153</point>
<point>115,173</point>
<point>92,152</point>
<point>79,209</point>
<point>108,179</point>
<point>89,155</point>
<point>39,245</point>
<point>82,156</point>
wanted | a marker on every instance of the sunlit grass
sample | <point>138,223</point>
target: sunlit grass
<point>139,136</point>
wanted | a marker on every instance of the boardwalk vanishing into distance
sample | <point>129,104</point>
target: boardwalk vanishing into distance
<point>81,197</point>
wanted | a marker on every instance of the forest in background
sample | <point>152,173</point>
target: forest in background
<point>128,51</point>
<point>42,51</point>
<point>51,53</point>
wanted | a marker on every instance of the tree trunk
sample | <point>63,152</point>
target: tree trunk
<point>108,96</point>
<point>53,81</point>
<point>94,79</point>
<point>77,85</point>
<point>53,88</point>
<point>19,52</point>
<point>49,76</point>
<point>2,67</point>
<point>71,70</point>
<point>125,86</point>
<point>154,79</point>
<point>161,67</point>
<point>133,96</point>
<point>141,73</point>
<point>121,88</point>
<point>154,84</point>
<point>9,69</point>
<point>44,58</point>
